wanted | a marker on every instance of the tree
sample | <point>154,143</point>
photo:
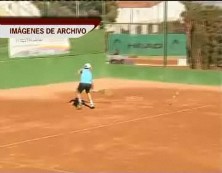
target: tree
<point>201,30</point>
<point>91,8</point>
<point>86,8</point>
<point>111,11</point>
<point>55,8</point>
<point>191,18</point>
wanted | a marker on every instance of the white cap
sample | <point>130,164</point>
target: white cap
<point>87,65</point>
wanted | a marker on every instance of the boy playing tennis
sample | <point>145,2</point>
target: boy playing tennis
<point>86,83</point>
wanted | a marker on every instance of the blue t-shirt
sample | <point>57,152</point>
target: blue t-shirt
<point>86,76</point>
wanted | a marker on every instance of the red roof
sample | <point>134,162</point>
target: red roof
<point>136,4</point>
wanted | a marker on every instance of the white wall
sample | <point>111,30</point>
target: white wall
<point>174,10</point>
<point>153,14</point>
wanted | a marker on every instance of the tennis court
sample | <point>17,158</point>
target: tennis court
<point>137,126</point>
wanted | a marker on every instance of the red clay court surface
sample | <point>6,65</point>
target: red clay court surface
<point>137,127</point>
<point>155,61</point>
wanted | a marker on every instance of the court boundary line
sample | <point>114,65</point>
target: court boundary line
<point>100,126</point>
<point>35,167</point>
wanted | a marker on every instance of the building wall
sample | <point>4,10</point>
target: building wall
<point>153,14</point>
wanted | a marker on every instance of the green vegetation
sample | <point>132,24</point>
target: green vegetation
<point>203,26</point>
<point>104,9</point>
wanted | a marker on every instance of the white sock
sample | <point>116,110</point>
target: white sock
<point>80,101</point>
<point>91,103</point>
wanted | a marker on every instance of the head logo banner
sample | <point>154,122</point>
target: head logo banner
<point>43,36</point>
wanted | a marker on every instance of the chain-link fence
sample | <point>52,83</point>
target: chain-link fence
<point>148,43</point>
<point>152,34</point>
<point>189,32</point>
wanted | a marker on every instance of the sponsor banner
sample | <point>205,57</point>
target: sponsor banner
<point>28,47</point>
<point>147,45</point>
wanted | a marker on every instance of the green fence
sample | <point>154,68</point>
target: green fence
<point>147,45</point>
<point>18,72</point>
<point>161,74</point>
<point>38,71</point>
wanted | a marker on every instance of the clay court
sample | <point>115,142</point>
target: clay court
<point>137,127</point>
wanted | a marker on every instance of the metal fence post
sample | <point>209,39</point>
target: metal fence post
<point>165,33</point>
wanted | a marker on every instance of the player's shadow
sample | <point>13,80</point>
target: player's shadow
<point>75,102</point>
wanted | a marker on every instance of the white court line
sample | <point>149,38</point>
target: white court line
<point>58,170</point>
<point>101,126</point>
<point>52,170</point>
